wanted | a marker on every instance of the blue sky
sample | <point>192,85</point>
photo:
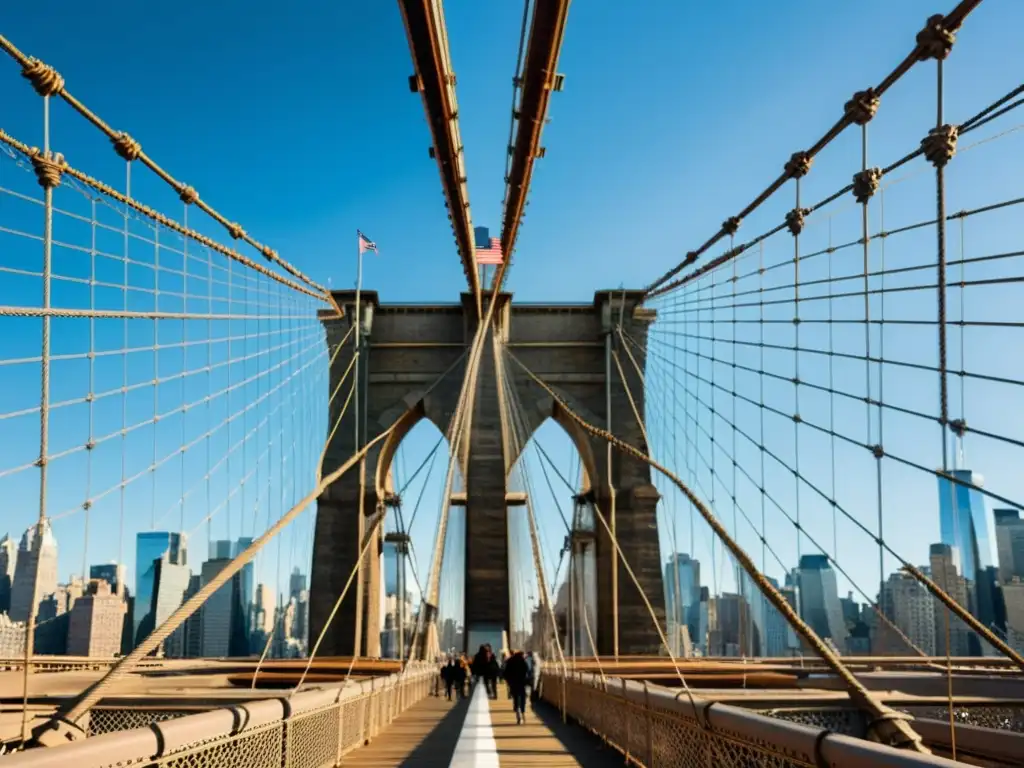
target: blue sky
<point>300,126</point>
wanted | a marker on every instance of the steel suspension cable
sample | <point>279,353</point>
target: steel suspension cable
<point>891,724</point>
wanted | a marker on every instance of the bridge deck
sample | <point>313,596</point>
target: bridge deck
<point>482,732</point>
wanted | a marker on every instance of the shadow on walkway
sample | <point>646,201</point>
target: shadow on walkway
<point>544,740</point>
<point>425,735</point>
<point>438,746</point>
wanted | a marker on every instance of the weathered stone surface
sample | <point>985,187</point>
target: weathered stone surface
<point>409,348</point>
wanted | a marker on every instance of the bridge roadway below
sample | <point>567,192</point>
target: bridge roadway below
<point>479,732</point>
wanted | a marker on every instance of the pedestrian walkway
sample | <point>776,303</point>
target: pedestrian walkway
<point>482,733</point>
<point>426,734</point>
<point>545,740</point>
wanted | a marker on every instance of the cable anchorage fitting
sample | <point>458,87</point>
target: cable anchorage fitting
<point>798,165</point>
<point>731,225</point>
<point>940,144</point>
<point>49,167</point>
<point>45,79</point>
<point>865,184</point>
<point>795,220</point>
<point>187,194</point>
<point>862,107</point>
<point>126,146</point>
<point>935,41</point>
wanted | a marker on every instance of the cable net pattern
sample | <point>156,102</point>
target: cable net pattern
<point>830,378</point>
<point>152,379</point>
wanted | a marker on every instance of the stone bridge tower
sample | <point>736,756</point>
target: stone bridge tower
<point>412,365</point>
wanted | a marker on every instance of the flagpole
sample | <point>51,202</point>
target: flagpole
<point>358,333</point>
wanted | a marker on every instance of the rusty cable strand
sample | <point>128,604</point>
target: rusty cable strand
<point>961,612</point>
<point>615,541</point>
<point>927,41</point>
<point>858,187</point>
<point>30,153</point>
<point>874,605</point>
<point>866,184</point>
<point>851,441</point>
<point>77,708</point>
<point>903,734</point>
<point>47,82</point>
<point>513,411</point>
<point>459,426</point>
<point>84,702</point>
<point>688,308</point>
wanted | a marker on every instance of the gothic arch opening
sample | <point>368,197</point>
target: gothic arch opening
<point>410,477</point>
<point>551,475</point>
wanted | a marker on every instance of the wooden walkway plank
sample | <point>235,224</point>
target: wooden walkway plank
<point>428,735</point>
<point>544,739</point>
<point>425,735</point>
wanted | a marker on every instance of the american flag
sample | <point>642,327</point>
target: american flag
<point>366,244</point>
<point>491,253</point>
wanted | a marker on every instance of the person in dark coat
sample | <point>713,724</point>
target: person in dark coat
<point>492,672</point>
<point>449,676</point>
<point>459,674</point>
<point>517,675</point>
<point>479,664</point>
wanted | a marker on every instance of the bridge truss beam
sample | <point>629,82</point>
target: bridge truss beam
<point>538,79</point>
<point>434,80</point>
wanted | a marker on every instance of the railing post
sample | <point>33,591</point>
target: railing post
<point>341,731</point>
<point>563,697</point>
<point>649,722</point>
<point>628,739</point>
<point>370,702</point>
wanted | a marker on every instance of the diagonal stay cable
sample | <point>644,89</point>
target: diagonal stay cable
<point>888,723</point>
<point>761,534</point>
<point>73,710</point>
<point>618,549</point>
<point>369,538</point>
<point>46,81</point>
<point>513,407</point>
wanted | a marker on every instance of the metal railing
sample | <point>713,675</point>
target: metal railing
<point>312,729</point>
<point>654,727</point>
<point>56,664</point>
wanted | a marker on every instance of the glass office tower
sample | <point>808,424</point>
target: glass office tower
<point>150,546</point>
<point>963,524</point>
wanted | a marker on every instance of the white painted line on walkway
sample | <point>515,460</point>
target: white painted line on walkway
<point>476,747</point>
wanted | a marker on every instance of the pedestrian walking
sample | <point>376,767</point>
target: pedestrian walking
<point>517,674</point>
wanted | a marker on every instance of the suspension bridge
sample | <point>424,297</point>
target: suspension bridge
<point>805,372</point>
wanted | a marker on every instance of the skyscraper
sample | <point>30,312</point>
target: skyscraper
<point>223,622</point>
<point>246,585</point>
<point>112,573</point>
<point>684,610</point>
<point>946,573</point>
<point>35,573</point>
<point>96,622</point>
<point>391,559</point>
<point>772,625</point>
<point>152,547</point>
<point>819,599</point>
<point>912,609</point>
<point>170,584</point>
<point>1013,593</point>
<point>963,525</point>
<point>1009,544</point>
<point>296,583</point>
<point>8,562</point>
